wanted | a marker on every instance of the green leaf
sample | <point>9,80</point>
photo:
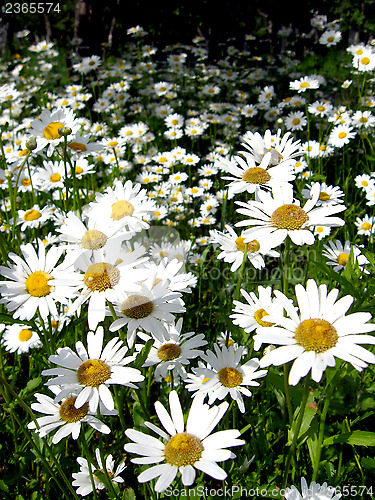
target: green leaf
<point>142,356</point>
<point>309,414</point>
<point>3,486</point>
<point>312,441</point>
<point>356,438</point>
<point>129,494</point>
<point>7,319</point>
<point>368,463</point>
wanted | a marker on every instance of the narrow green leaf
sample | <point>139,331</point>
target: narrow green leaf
<point>356,438</point>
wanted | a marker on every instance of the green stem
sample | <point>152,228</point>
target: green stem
<point>323,418</point>
<point>89,462</point>
<point>240,277</point>
<point>297,430</point>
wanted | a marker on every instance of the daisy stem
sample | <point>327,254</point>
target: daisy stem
<point>321,430</point>
<point>72,493</point>
<point>356,457</point>
<point>288,400</point>
<point>285,264</point>
<point>112,493</point>
<point>90,461</point>
<point>297,429</point>
<point>240,277</point>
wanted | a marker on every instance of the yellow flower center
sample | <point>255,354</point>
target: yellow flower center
<point>330,38</point>
<point>77,146</point>
<point>121,208</point>
<point>342,259</point>
<point>36,284</point>
<point>170,351</point>
<point>69,413</point>
<point>78,170</point>
<point>183,449</point>
<point>256,175</point>
<point>365,61</point>
<point>51,132</point>
<point>363,119</point>
<point>304,85</point>
<point>342,135</point>
<point>32,215</point>
<point>25,335</point>
<point>101,276</point>
<point>316,335</point>
<point>230,377</point>
<point>296,121</point>
<point>93,373</point>
<point>24,152</point>
<point>93,239</point>
<point>320,108</point>
<point>366,226</point>
<point>137,307</point>
<point>55,177</point>
<point>324,196</point>
<point>259,315</point>
<point>289,217</point>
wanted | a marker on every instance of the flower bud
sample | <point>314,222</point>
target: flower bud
<point>64,131</point>
<point>31,143</point>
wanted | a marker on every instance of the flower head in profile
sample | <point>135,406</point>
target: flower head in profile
<point>247,176</point>
<point>319,333</point>
<point>82,479</point>
<point>338,254</point>
<point>313,492</point>
<point>183,448</point>
<point>88,373</point>
<point>151,308</point>
<point>174,351</point>
<point>232,248</point>
<point>64,417</point>
<point>278,215</point>
<point>226,375</point>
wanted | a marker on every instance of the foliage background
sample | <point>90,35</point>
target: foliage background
<point>178,22</point>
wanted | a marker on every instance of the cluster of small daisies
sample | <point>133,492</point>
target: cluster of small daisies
<point>103,214</point>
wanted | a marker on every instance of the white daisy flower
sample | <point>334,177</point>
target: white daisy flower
<point>125,203</point>
<point>255,313</point>
<point>329,195</point>
<point>150,308</point>
<point>88,373</point>
<point>341,135</point>
<point>233,247</point>
<point>31,282</point>
<point>34,217</point>
<point>183,448</point>
<point>365,225</point>
<point>313,492</point>
<point>319,333</point>
<point>279,215</point>
<point>247,176</point>
<point>304,83</point>
<point>174,352</point>
<point>339,254</point>
<point>282,148</point>
<point>101,276</point>
<point>226,375</point>
<point>63,416</point>
<point>82,479</point>
<point>20,338</point>
<point>47,125</point>
<point>80,145</point>
<point>92,234</point>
